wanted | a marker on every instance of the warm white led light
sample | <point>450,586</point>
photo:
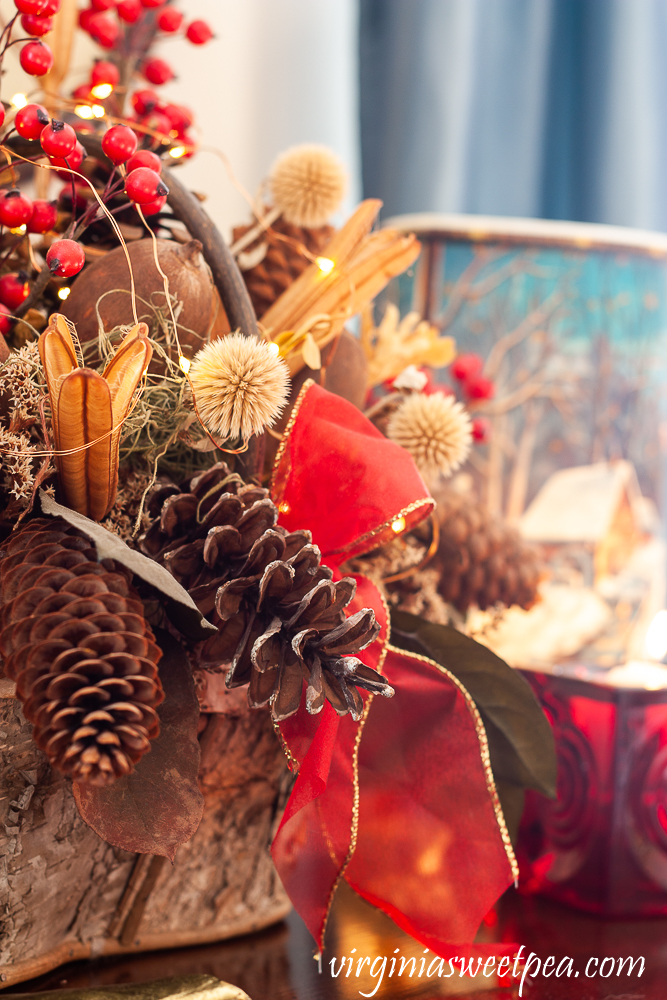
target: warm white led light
<point>102,91</point>
<point>64,292</point>
<point>19,100</point>
<point>325,264</point>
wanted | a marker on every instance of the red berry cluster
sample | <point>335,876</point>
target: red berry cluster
<point>36,57</point>
<point>99,22</point>
<point>165,119</point>
<point>467,370</point>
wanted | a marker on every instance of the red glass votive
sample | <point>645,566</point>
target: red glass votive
<point>602,846</point>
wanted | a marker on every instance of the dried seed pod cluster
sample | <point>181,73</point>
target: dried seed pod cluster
<point>280,616</point>
<point>74,638</point>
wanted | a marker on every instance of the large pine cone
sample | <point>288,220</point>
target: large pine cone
<point>280,618</point>
<point>74,638</point>
<point>481,559</point>
<point>284,260</point>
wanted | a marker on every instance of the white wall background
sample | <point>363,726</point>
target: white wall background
<point>279,72</point>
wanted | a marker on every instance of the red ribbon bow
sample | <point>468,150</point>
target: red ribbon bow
<point>401,804</point>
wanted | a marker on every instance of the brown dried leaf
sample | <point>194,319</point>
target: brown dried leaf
<point>159,806</point>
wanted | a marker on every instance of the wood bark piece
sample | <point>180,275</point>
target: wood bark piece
<point>63,891</point>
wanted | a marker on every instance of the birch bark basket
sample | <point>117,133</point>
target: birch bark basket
<point>65,894</point>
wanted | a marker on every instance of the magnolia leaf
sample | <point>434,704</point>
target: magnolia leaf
<point>159,806</point>
<point>521,742</point>
<point>182,610</point>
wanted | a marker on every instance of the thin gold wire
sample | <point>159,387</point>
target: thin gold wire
<point>273,484</point>
<point>432,549</point>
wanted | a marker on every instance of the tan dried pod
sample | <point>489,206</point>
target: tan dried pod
<point>190,282</point>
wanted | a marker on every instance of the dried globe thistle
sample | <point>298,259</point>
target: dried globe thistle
<point>307,183</point>
<point>435,429</point>
<point>240,386</point>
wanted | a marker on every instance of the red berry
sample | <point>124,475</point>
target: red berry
<point>104,72</point>
<point>479,387</point>
<point>65,196</point>
<point>467,366</point>
<point>158,123</point>
<point>36,58</point>
<point>14,289</point>
<point>170,19</point>
<point>103,30</point>
<point>15,209</point>
<point>144,185</point>
<point>144,158</point>
<point>129,10</point>
<point>5,322</point>
<point>82,92</point>
<point>31,120</point>
<point>102,4</point>
<point>71,162</point>
<point>153,207</point>
<point>38,7</point>
<point>65,258</point>
<point>44,216</point>
<point>84,18</point>
<point>58,139</point>
<point>143,101</point>
<point>152,3</point>
<point>180,117</point>
<point>50,7</point>
<point>2,115</point>
<point>157,71</point>
<point>34,25</point>
<point>481,429</point>
<point>199,33</point>
<point>119,143</point>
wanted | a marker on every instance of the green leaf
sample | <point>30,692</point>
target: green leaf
<point>159,806</point>
<point>182,610</point>
<point>521,742</point>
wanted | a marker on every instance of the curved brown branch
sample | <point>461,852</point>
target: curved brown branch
<point>224,269</point>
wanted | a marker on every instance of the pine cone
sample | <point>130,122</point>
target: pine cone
<point>280,617</point>
<point>480,559</point>
<point>284,260</point>
<point>75,640</point>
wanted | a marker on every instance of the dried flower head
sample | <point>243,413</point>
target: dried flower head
<point>307,183</point>
<point>22,378</point>
<point>240,386</point>
<point>435,429</point>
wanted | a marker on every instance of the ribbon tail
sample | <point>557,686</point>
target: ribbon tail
<point>427,796</point>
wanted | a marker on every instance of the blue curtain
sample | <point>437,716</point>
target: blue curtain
<point>548,108</point>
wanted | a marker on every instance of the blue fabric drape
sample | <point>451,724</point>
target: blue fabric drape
<point>547,108</point>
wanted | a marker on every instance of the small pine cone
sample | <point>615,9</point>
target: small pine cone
<point>481,560</point>
<point>284,260</point>
<point>74,638</point>
<point>280,617</point>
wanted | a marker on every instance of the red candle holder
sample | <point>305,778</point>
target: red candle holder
<point>602,845</point>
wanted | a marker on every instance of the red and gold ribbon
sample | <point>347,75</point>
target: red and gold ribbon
<point>402,804</point>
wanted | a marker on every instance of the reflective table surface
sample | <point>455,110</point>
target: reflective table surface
<point>278,964</point>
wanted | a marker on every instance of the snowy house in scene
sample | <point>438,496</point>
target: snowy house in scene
<point>591,514</point>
